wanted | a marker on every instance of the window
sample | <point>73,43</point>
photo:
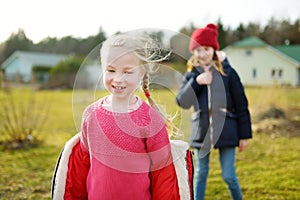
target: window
<point>280,73</point>
<point>254,73</point>
<point>276,73</point>
<point>248,52</point>
<point>273,73</point>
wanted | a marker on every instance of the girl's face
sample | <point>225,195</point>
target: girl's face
<point>123,75</point>
<point>204,54</point>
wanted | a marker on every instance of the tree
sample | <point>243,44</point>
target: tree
<point>88,44</point>
<point>222,34</point>
<point>100,37</point>
<point>1,52</point>
<point>180,44</point>
<point>188,30</point>
<point>240,32</point>
<point>64,73</point>
<point>294,33</point>
<point>252,29</point>
<point>17,41</point>
<point>271,33</point>
<point>48,44</point>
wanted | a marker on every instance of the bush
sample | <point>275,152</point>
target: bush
<point>22,116</point>
<point>64,73</point>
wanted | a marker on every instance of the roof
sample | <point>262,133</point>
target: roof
<point>36,58</point>
<point>250,42</point>
<point>292,51</point>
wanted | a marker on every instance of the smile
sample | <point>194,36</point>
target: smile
<point>118,87</point>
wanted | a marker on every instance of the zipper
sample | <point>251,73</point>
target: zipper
<point>210,116</point>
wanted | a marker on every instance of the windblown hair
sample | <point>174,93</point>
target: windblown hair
<point>150,53</point>
<point>216,63</point>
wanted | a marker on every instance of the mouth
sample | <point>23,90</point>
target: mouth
<point>118,88</point>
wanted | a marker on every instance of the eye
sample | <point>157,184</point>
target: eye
<point>110,70</point>
<point>128,72</point>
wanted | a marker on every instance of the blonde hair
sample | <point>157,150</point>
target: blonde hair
<point>216,63</point>
<point>150,53</point>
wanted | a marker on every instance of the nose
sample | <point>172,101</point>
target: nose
<point>202,54</point>
<point>119,77</point>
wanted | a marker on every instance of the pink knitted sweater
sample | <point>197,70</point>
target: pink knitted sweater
<point>124,148</point>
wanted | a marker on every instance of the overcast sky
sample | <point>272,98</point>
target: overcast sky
<point>57,18</point>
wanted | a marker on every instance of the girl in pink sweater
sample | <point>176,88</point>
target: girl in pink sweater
<point>124,151</point>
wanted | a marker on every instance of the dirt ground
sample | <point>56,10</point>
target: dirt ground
<point>277,122</point>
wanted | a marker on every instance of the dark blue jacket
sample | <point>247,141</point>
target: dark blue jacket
<point>230,117</point>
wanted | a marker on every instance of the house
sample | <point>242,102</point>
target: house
<point>258,63</point>
<point>20,65</point>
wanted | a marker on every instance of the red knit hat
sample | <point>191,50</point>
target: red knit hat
<point>207,36</point>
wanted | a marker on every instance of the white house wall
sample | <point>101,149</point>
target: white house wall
<point>13,69</point>
<point>19,67</point>
<point>21,63</point>
<point>264,60</point>
<point>26,69</point>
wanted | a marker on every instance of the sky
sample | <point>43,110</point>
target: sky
<point>58,18</point>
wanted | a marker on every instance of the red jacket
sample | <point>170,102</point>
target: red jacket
<point>69,179</point>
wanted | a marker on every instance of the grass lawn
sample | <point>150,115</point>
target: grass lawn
<point>268,169</point>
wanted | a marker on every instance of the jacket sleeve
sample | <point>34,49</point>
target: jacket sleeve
<point>240,105</point>
<point>190,168</point>
<point>162,172</point>
<point>189,88</point>
<point>78,168</point>
<point>69,178</point>
<point>175,181</point>
<point>164,184</point>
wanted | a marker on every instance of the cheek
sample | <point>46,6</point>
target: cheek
<point>134,79</point>
<point>211,53</point>
<point>210,56</point>
<point>106,78</point>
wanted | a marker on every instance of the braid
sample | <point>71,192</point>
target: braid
<point>217,64</point>
<point>172,129</point>
<point>145,87</point>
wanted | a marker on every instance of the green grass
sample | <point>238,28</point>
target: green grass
<point>268,169</point>
<point>26,174</point>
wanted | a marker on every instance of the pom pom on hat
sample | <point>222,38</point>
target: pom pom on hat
<point>207,36</point>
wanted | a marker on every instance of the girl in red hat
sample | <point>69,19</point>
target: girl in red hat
<point>221,119</point>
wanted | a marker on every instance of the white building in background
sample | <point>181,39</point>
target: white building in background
<point>20,64</point>
<point>258,63</point>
